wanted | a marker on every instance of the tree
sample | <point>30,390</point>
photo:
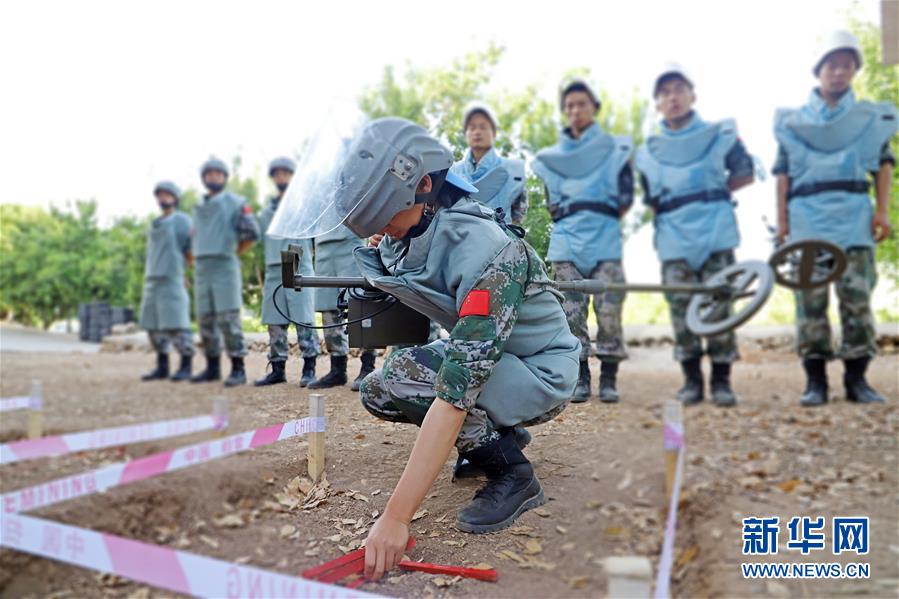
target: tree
<point>880,82</point>
<point>436,98</point>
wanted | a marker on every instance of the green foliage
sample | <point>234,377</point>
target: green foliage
<point>436,99</point>
<point>880,82</point>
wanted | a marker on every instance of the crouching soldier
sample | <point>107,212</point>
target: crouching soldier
<point>165,307</point>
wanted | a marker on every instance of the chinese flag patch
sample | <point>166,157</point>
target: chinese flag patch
<point>477,303</point>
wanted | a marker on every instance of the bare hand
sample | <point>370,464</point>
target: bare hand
<point>375,240</point>
<point>880,227</point>
<point>385,546</point>
<point>783,231</point>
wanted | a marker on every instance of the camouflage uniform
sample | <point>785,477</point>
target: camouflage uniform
<point>607,307</point>
<point>722,349</point>
<point>854,289</point>
<point>457,369</point>
<point>163,340</point>
<point>307,339</point>
<point>213,325</point>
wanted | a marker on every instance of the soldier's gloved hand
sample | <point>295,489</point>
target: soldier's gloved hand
<point>880,226</point>
<point>375,240</point>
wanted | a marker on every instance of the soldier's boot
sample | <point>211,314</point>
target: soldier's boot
<point>722,393</point>
<point>368,366</point>
<point>184,369</point>
<point>335,377</point>
<point>608,382</point>
<point>815,393</point>
<point>857,387</point>
<point>308,371</point>
<point>466,469</point>
<point>213,371</point>
<point>582,391</point>
<point>511,487</point>
<point>277,375</point>
<point>692,392</point>
<point>161,371</point>
<point>238,374</point>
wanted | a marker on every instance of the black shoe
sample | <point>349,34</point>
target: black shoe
<point>608,381</point>
<point>465,469</point>
<point>857,388</point>
<point>274,377</point>
<point>816,383</point>
<point>308,371</point>
<point>722,393</point>
<point>161,371</point>
<point>511,488</point>
<point>368,366</point>
<point>183,373</point>
<point>692,392</point>
<point>213,371</point>
<point>582,391</point>
<point>238,375</point>
<point>335,377</point>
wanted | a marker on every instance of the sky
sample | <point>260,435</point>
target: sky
<point>102,99</point>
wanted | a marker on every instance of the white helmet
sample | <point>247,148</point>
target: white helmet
<point>479,108</point>
<point>837,40</point>
<point>667,70</point>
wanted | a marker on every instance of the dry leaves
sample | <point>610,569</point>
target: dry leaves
<point>419,515</point>
<point>533,547</point>
<point>229,521</point>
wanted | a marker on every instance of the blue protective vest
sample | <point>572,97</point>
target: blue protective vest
<point>687,177</point>
<point>581,176</point>
<point>830,152</point>
<point>500,181</point>
<point>295,304</point>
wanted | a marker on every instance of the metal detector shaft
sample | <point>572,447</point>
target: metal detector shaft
<point>302,281</point>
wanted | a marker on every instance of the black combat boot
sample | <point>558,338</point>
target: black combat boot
<point>722,394</point>
<point>162,369</point>
<point>857,388</point>
<point>816,383</point>
<point>238,374</point>
<point>692,392</point>
<point>213,371</point>
<point>511,487</point>
<point>608,382</point>
<point>465,469</point>
<point>582,391</point>
<point>183,373</point>
<point>335,377</point>
<point>308,371</point>
<point>277,375</point>
<point>368,366</point>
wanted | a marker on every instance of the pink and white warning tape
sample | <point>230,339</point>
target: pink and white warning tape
<point>674,440</point>
<point>31,449</point>
<point>115,475</point>
<point>162,567</point>
<point>8,404</point>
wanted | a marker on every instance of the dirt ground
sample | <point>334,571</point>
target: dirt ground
<point>601,467</point>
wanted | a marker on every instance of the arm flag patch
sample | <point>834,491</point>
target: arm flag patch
<point>477,303</point>
<point>247,209</point>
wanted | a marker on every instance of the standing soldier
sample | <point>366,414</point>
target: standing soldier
<point>500,181</point>
<point>295,305</point>
<point>165,308</point>
<point>827,149</point>
<point>590,186</point>
<point>334,258</point>
<point>224,228</point>
<point>688,172</point>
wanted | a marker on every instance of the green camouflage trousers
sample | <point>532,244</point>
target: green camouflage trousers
<point>307,339</point>
<point>162,341</point>
<point>722,349</point>
<point>336,340</point>
<point>607,306</point>
<point>213,324</point>
<point>854,289</point>
<point>403,391</point>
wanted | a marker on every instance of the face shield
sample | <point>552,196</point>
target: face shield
<point>360,173</point>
